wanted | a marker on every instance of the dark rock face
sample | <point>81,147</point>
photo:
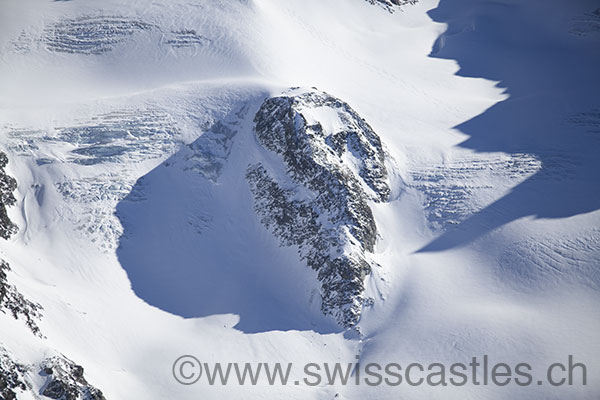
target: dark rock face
<point>7,199</point>
<point>65,381</point>
<point>391,4</point>
<point>10,298</point>
<point>17,305</point>
<point>11,377</point>
<point>334,165</point>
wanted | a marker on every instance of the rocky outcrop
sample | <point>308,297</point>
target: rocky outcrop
<point>7,199</point>
<point>391,5</point>
<point>333,167</point>
<point>12,376</point>
<point>16,304</point>
<point>11,300</point>
<point>64,380</point>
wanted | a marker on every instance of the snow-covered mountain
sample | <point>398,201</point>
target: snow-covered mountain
<point>299,181</point>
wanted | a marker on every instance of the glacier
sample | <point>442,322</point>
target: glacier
<point>296,181</point>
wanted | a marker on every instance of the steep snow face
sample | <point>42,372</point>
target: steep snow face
<point>334,164</point>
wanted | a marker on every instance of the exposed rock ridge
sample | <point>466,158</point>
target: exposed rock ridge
<point>64,380</point>
<point>16,304</point>
<point>11,300</point>
<point>7,186</point>
<point>12,376</point>
<point>334,165</point>
<point>391,5</point>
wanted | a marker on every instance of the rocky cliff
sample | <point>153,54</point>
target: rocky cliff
<point>334,167</point>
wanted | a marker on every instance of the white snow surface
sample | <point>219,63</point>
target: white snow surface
<point>142,248</point>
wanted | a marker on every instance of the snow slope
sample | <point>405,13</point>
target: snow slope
<point>129,129</point>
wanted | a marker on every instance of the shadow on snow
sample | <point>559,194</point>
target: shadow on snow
<point>193,247</point>
<point>553,111</point>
